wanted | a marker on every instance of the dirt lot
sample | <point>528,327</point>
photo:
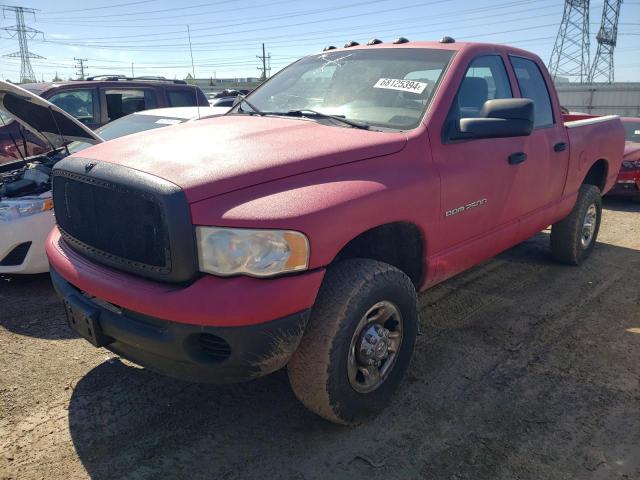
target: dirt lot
<point>525,369</point>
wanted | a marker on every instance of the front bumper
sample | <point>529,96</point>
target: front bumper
<point>190,352</point>
<point>34,229</point>
<point>627,184</point>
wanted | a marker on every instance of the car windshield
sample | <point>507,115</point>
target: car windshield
<point>382,87</point>
<point>632,131</point>
<point>126,126</point>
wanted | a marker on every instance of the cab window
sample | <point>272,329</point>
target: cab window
<point>121,102</point>
<point>485,79</point>
<point>77,103</point>
<point>182,98</point>
<point>533,86</point>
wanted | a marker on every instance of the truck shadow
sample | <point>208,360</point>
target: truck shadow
<point>26,303</point>
<point>504,373</point>
<point>621,204</point>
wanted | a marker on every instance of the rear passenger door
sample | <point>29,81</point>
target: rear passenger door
<point>540,178</point>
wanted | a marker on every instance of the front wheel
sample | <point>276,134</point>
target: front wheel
<point>359,341</point>
<point>573,238</point>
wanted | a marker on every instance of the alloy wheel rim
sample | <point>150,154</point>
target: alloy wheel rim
<point>589,225</point>
<point>374,347</point>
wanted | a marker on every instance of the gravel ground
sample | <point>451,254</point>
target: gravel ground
<point>525,369</point>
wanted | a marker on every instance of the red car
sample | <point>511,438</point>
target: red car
<point>297,229</point>
<point>628,183</point>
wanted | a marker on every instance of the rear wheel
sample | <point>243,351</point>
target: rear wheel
<point>359,341</point>
<point>573,238</point>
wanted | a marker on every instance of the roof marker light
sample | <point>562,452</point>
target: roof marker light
<point>351,44</point>
<point>447,39</point>
<point>374,41</point>
<point>400,40</point>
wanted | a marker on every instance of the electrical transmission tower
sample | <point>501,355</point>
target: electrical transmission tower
<point>570,55</point>
<point>23,33</point>
<point>602,67</point>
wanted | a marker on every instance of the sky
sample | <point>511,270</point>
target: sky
<point>227,35</point>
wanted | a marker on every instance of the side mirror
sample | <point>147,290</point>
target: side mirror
<point>501,118</point>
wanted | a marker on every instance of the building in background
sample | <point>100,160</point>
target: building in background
<point>621,98</point>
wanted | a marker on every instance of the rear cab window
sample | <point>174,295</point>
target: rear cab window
<point>533,86</point>
<point>124,101</point>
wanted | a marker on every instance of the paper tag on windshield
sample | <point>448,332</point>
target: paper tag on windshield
<point>168,121</point>
<point>402,85</point>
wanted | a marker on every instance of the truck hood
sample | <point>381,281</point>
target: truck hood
<point>49,123</point>
<point>218,155</point>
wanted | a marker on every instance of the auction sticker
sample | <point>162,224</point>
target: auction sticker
<point>403,85</point>
<point>168,121</point>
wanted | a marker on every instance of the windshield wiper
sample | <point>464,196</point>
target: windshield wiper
<point>306,112</point>
<point>243,99</point>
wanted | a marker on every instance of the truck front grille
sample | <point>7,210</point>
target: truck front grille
<point>115,222</point>
<point>125,219</point>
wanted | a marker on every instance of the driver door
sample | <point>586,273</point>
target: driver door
<point>476,177</point>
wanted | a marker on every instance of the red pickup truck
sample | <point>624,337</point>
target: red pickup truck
<point>297,229</point>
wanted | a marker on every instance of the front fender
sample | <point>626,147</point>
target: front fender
<point>334,205</point>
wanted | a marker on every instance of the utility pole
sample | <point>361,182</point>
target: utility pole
<point>607,37</point>
<point>266,70</point>
<point>132,75</point>
<point>570,55</point>
<point>23,33</point>
<point>80,66</point>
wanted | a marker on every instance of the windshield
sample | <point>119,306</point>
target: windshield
<point>383,87</point>
<point>126,126</point>
<point>632,131</point>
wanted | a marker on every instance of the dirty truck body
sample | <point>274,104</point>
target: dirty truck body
<point>298,239</point>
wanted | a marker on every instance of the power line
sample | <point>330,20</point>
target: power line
<point>75,10</point>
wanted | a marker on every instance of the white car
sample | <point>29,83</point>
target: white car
<point>26,207</point>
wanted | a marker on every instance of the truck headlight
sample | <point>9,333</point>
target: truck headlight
<point>257,253</point>
<point>13,209</point>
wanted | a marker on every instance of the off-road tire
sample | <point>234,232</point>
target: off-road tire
<point>318,369</point>
<point>566,244</point>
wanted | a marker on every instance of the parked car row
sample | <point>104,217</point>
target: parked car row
<point>331,195</point>
<point>225,98</point>
<point>95,102</point>
<point>26,207</point>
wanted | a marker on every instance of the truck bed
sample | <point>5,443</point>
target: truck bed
<point>593,138</point>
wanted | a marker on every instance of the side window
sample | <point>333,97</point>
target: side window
<point>533,86</point>
<point>485,79</point>
<point>121,101</point>
<point>78,103</point>
<point>182,98</point>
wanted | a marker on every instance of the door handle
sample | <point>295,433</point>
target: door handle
<point>560,147</point>
<point>516,158</point>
